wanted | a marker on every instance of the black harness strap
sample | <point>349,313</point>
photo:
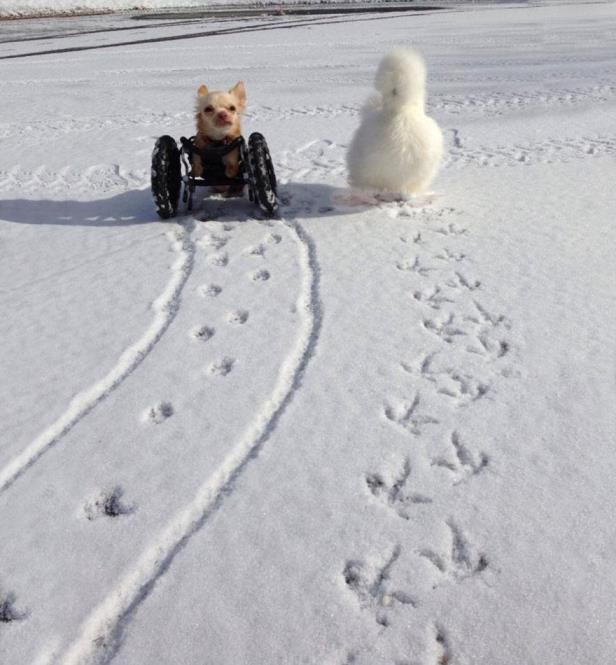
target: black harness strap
<point>213,154</point>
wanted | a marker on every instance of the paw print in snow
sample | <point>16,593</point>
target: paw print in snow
<point>108,504</point>
<point>221,367</point>
<point>203,333</point>
<point>159,412</point>
<point>8,611</point>
<point>260,276</point>
<point>221,259</point>
<point>237,317</point>
<point>210,290</point>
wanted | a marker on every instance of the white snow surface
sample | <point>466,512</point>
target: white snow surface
<point>370,435</point>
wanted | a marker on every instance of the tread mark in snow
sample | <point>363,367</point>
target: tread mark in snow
<point>114,177</point>
<point>489,103</point>
<point>165,309</point>
<point>102,633</point>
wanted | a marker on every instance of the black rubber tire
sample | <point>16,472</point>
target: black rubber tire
<point>166,176</point>
<point>262,176</point>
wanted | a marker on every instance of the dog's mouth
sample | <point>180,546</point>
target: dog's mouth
<point>223,122</point>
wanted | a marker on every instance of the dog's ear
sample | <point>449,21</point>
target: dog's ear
<point>202,90</point>
<point>239,91</point>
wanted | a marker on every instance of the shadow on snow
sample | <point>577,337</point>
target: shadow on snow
<point>302,200</point>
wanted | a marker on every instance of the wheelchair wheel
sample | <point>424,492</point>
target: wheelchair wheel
<point>166,176</point>
<point>263,186</point>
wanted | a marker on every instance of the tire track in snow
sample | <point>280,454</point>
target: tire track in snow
<point>165,307</point>
<point>317,160</point>
<point>99,178</point>
<point>102,633</point>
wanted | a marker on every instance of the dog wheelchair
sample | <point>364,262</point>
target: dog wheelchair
<point>169,161</point>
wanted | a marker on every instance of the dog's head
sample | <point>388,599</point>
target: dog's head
<point>218,112</point>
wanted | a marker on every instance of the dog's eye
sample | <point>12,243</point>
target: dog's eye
<point>208,109</point>
<point>232,108</point>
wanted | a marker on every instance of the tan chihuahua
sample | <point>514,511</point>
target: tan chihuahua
<point>218,122</point>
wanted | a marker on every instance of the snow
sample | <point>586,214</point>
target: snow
<point>370,435</point>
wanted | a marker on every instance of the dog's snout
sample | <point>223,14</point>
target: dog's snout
<point>223,118</point>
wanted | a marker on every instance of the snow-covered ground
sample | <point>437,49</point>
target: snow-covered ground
<point>368,436</point>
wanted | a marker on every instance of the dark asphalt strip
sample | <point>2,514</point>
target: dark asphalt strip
<point>277,25</point>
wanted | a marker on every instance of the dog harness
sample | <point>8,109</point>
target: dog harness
<point>213,154</point>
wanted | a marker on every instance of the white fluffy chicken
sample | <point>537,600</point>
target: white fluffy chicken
<point>397,148</point>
